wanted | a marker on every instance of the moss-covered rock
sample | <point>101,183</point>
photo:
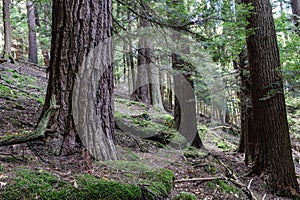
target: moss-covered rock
<point>44,185</point>
<point>158,183</point>
<point>192,152</point>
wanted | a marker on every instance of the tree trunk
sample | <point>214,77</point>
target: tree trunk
<point>248,139</point>
<point>32,54</point>
<point>273,149</point>
<point>81,78</point>
<point>295,5</point>
<point>7,28</point>
<point>185,103</point>
<point>141,91</point>
<point>156,97</point>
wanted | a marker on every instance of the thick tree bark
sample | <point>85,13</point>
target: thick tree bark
<point>32,54</point>
<point>273,149</point>
<point>7,28</point>
<point>295,5</point>
<point>81,78</point>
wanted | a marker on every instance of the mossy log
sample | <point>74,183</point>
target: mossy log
<point>36,134</point>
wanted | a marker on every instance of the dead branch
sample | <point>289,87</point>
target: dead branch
<point>200,179</point>
<point>230,176</point>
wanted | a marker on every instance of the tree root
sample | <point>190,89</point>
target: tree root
<point>38,133</point>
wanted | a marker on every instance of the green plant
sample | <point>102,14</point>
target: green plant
<point>185,196</point>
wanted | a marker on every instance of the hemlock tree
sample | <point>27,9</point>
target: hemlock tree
<point>81,78</point>
<point>32,54</point>
<point>142,92</point>
<point>7,28</point>
<point>273,149</point>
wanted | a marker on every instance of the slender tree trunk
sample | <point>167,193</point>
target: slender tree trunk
<point>44,49</point>
<point>156,98</point>
<point>32,54</point>
<point>295,5</point>
<point>248,139</point>
<point>81,78</point>
<point>7,28</point>
<point>273,155</point>
<point>142,92</point>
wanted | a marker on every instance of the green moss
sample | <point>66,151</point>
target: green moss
<point>209,168</point>
<point>164,176</point>
<point>11,70</point>
<point>130,102</point>
<point>224,186</point>
<point>224,145</point>
<point>40,100</point>
<point>185,196</point>
<point>192,152</point>
<point>4,90</point>
<point>43,185</point>
<point>160,182</point>
<point>90,187</point>
<point>203,130</point>
<point>127,166</point>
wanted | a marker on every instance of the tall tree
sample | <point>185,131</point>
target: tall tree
<point>248,139</point>
<point>81,78</point>
<point>31,14</point>
<point>185,102</point>
<point>7,28</point>
<point>273,148</point>
<point>142,92</point>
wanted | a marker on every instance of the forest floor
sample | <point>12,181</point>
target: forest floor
<point>216,172</point>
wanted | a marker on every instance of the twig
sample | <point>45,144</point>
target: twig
<point>200,179</point>
<point>10,154</point>
<point>250,184</point>
<point>144,188</point>
<point>35,152</point>
<point>233,178</point>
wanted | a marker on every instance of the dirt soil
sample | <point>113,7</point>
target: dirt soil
<point>201,175</point>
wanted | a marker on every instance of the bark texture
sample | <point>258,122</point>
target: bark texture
<point>32,54</point>
<point>81,78</point>
<point>141,91</point>
<point>273,149</point>
<point>7,28</point>
<point>248,139</point>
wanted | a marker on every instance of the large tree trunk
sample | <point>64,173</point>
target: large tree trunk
<point>81,78</point>
<point>273,149</point>
<point>32,54</point>
<point>7,28</point>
